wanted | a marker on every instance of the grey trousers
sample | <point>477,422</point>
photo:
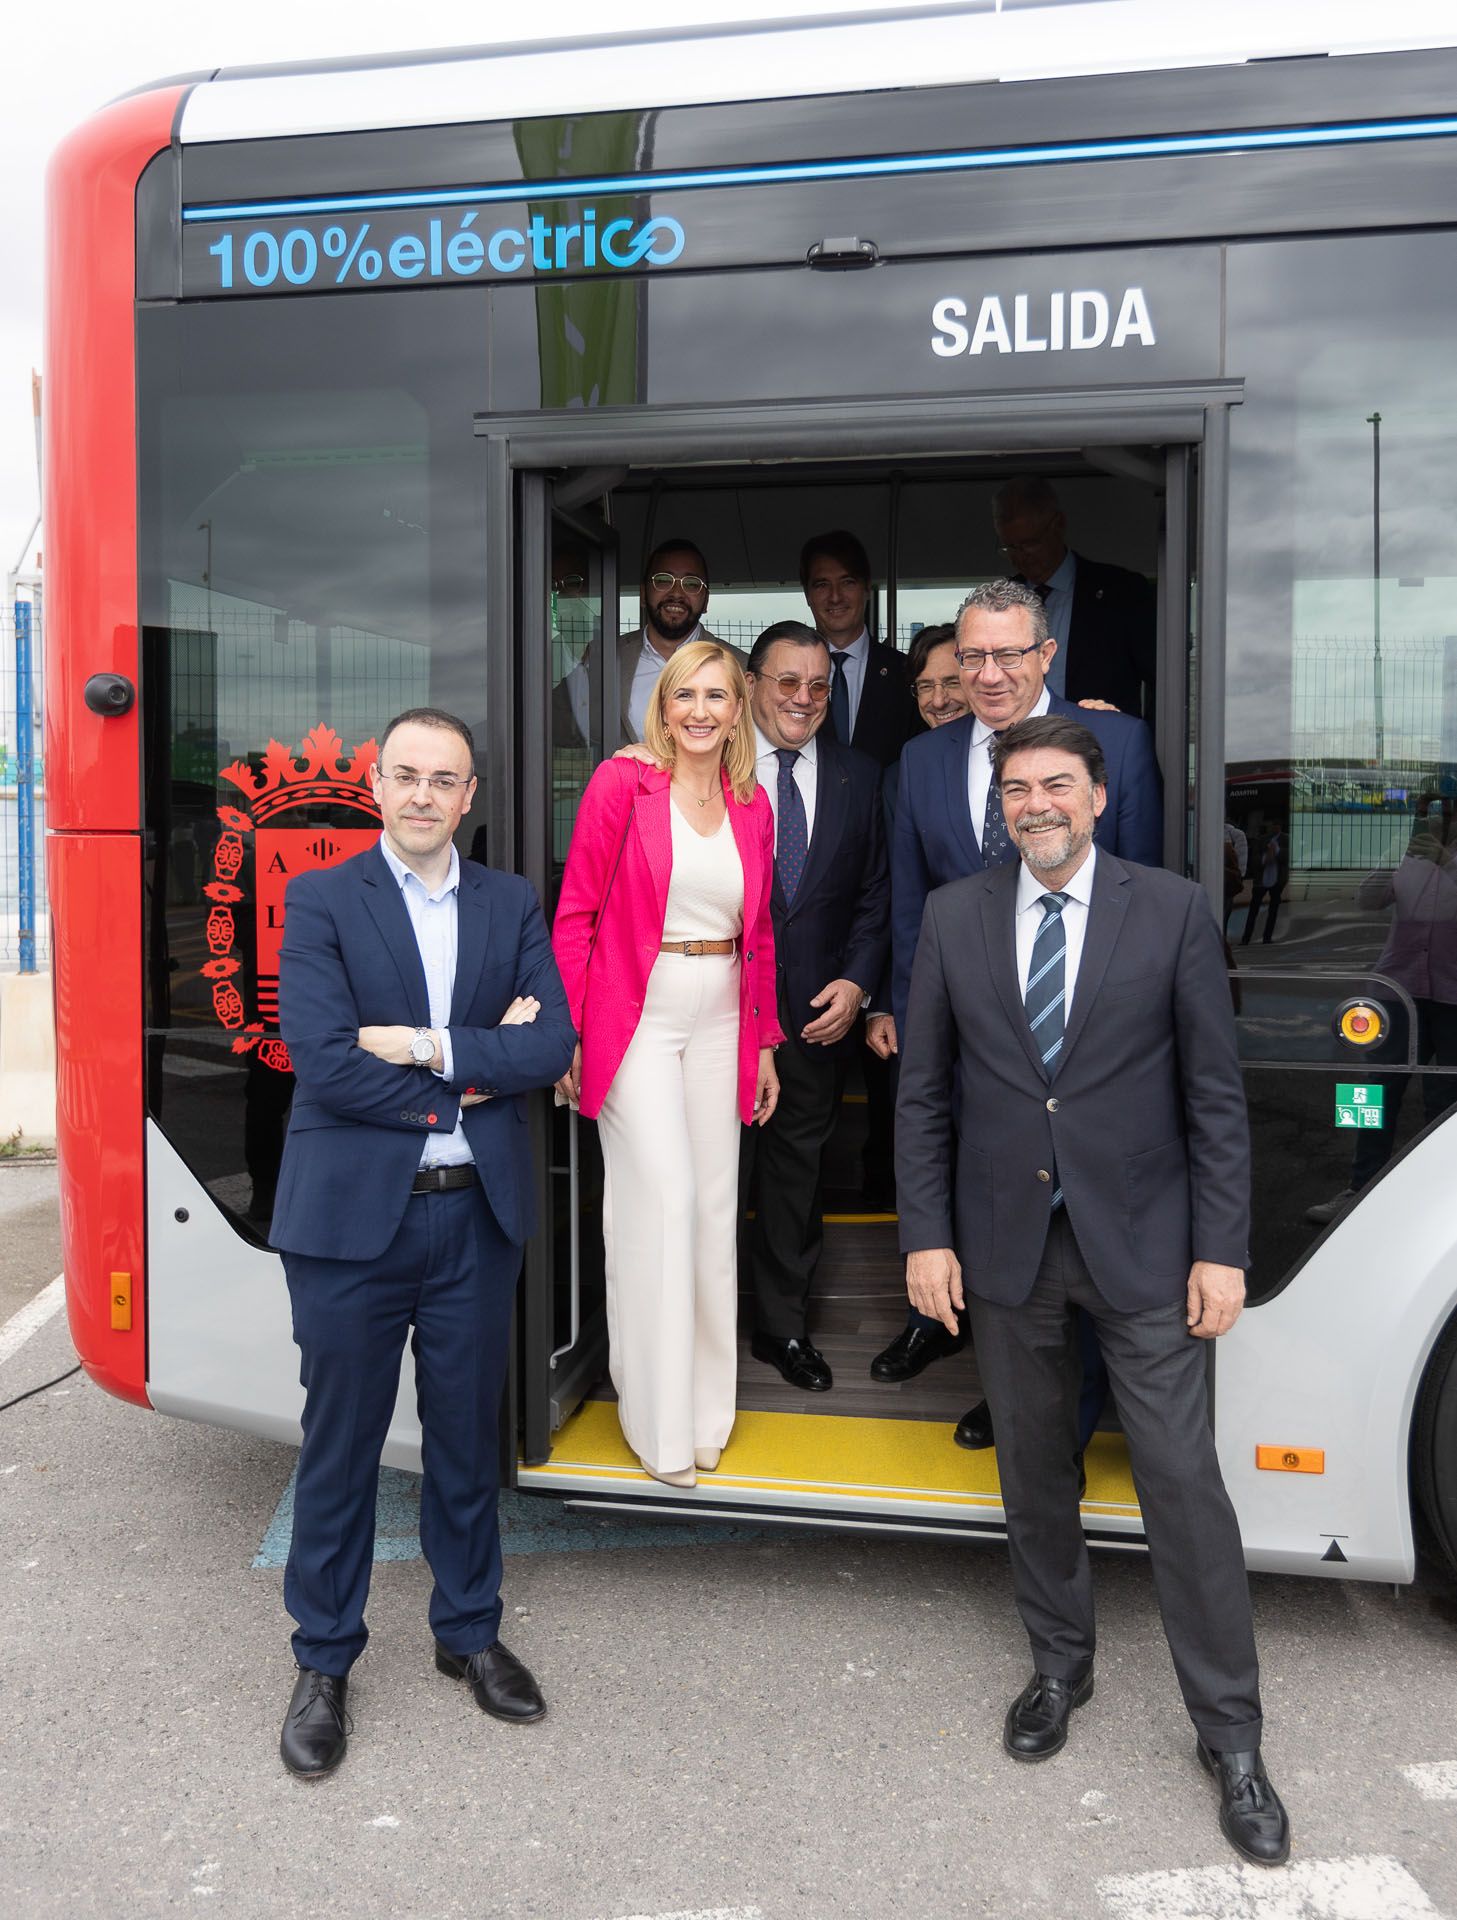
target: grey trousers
<point>1028,1359</point>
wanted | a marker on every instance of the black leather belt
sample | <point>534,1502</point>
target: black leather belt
<point>443,1179</point>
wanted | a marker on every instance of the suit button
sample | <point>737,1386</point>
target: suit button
<point>405,1114</point>
<point>756,1013</point>
<point>748,956</point>
<point>431,1118</point>
<point>470,1089</point>
<point>1043,1175</point>
<point>1053,1105</point>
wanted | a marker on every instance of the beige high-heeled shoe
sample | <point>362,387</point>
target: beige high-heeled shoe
<point>707,1458</point>
<point>683,1477</point>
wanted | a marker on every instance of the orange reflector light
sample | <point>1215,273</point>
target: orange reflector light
<point>1290,1459</point>
<point>121,1303</point>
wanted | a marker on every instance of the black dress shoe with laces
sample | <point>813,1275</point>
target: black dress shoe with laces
<point>801,1364</point>
<point>912,1351</point>
<point>502,1686</point>
<point>974,1429</point>
<point>316,1727</point>
<point>1251,1816</point>
<point>1036,1724</point>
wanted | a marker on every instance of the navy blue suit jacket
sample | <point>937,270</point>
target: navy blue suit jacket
<point>935,842</point>
<point>838,927</point>
<point>349,959</point>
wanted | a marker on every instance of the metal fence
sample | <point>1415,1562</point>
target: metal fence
<point>13,825</point>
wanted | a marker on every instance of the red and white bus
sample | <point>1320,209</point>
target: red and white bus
<point>374,383</point>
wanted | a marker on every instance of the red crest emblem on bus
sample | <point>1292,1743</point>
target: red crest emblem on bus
<point>321,773</point>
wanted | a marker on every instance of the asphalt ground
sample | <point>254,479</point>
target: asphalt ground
<point>750,1727</point>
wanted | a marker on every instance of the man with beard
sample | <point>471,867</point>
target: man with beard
<point>1091,1153</point>
<point>674,600</point>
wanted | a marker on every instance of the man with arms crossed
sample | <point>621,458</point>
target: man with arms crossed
<point>1101,1161</point>
<point>420,1001</point>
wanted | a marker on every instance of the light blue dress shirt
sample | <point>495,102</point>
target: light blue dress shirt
<point>1059,606</point>
<point>434,917</point>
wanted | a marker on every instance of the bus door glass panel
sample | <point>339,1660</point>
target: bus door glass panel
<point>1341,704</point>
<point>310,566</point>
<point>584,728</point>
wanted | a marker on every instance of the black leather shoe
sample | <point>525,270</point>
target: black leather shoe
<point>501,1685</point>
<point>801,1364</point>
<point>1036,1724</point>
<point>974,1429</point>
<point>1251,1816</point>
<point>316,1727</point>
<point>911,1352</point>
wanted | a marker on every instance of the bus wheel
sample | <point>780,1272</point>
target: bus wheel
<point>1434,1446</point>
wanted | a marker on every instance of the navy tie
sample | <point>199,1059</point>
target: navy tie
<point>1046,997</point>
<point>996,842</point>
<point>839,698</point>
<point>791,840</point>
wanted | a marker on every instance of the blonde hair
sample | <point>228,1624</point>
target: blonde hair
<point>738,750</point>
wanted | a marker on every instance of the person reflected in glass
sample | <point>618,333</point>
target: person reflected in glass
<point>1420,956</point>
<point>666,947</point>
<point>1269,876</point>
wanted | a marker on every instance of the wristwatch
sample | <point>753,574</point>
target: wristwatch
<point>422,1047</point>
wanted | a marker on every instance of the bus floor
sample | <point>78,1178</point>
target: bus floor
<point>862,1444</point>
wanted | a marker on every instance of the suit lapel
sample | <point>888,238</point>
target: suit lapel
<point>956,771</point>
<point>746,839</point>
<point>999,929</point>
<point>1105,922</point>
<point>655,831</point>
<point>390,914</point>
<point>473,926</point>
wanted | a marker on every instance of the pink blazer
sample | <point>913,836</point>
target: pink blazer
<point>626,804</point>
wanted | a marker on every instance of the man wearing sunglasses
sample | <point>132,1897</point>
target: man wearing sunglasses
<point>831,912</point>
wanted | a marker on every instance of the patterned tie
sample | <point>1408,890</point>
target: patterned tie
<point>1046,993</point>
<point>996,842</point>
<point>839,698</point>
<point>1039,587</point>
<point>791,841</point>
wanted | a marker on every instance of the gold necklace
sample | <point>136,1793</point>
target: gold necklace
<point>717,792</point>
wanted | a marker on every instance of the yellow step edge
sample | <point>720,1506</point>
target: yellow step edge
<point>828,1455</point>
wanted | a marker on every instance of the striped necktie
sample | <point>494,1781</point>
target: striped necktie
<point>1046,996</point>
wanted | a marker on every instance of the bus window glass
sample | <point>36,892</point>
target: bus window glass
<point>1341,774</point>
<point>313,564</point>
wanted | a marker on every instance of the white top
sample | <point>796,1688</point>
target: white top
<point>434,919</point>
<point>1079,891</point>
<point>979,763</point>
<point>706,889</point>
<point>766,767</point>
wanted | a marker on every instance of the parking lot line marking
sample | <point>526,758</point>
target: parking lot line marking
<point>529,1524</point>
<point>1363,1887</point>
<point>1435,1781</point>
<point>32,1317</point>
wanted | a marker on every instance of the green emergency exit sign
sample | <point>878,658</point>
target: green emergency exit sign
<point>1360,1106</point>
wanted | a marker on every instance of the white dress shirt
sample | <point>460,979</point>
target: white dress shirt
<point>857,663</point>
<point>650,664</point>
<point>1059,609</point>
<point>979,763</point>
<point>434,918</point>
<point>766,766</point>
<point>1030,891</point>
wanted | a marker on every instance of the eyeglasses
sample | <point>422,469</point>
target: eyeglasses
<point>401,779</point>
<point>1030,543</point>
<point>790,684</point>
<point>689,582</point>
<point>923,689</point>
<point>1007,658</point>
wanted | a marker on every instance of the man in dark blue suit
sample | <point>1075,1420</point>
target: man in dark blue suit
<point>831,909</point>
<point>420,1001</point>
<point>949,824</point>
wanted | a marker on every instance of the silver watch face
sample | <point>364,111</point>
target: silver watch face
<point>422,1047</point>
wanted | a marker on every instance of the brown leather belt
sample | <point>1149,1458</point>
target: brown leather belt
<point>443,1179</point>
<point>694,947</point>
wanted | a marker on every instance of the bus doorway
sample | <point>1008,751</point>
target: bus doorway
<point>866,1451</point>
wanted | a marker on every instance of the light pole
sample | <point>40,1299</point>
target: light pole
<point>1373,420</point>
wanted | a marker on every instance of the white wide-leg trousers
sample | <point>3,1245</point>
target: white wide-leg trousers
<point>669,1129</point>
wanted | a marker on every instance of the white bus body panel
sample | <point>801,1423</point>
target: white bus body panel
<point>935,48</point>
<point>1334,1361</point>
<point>219,1332</point>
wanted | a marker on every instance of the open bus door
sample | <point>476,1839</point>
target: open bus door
<point>567,653</point>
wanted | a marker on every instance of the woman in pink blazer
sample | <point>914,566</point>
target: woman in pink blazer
<point>666,949</point>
